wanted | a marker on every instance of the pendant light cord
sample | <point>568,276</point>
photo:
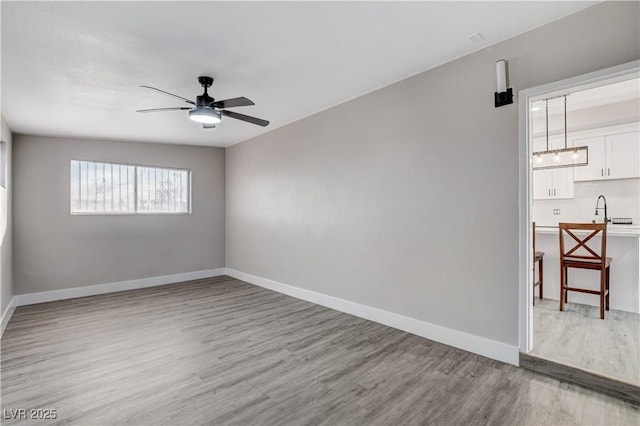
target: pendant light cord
<point>565,121</point>
<point>546,121</point>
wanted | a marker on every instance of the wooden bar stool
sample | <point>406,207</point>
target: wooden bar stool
<point>537,257</point>
<point>583,256</point>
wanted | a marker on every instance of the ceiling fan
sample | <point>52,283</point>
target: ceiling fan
<point>207,110</point>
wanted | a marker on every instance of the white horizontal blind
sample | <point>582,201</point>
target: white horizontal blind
<point>127,189</point>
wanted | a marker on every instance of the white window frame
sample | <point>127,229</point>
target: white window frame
<point>135,190</point>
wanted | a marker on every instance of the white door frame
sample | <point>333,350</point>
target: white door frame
<point>580,82</point>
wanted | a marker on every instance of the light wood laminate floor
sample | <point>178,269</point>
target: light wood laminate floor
<point>579,338</point>
<point>220,351</point>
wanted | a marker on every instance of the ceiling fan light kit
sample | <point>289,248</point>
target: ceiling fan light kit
<point>205,115</point>
<point>206,110</point>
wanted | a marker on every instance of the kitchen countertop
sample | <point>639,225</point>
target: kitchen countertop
<point>612,230</point>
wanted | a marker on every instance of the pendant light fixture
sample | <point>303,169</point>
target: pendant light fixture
<point>562,157</point>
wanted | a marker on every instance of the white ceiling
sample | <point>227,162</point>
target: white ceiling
<point>74,68</point>
<point>622,91</point>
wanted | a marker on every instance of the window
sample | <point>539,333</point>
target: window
<point>110,188</point>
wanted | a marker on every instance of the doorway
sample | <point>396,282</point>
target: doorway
<point>571,199</point>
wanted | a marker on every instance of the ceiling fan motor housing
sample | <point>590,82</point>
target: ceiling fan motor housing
<point>204,99</point>
<point>205,81</point>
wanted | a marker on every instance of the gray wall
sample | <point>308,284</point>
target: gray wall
<point>406,199</point>
<point>6,282</point>
<point>55,250</point>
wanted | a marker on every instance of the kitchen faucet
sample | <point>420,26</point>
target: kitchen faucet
<point>606,218</point>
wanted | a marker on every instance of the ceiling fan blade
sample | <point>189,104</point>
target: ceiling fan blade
<point>248,119</point>
<point>170,94</point>
<point>235,102</point>
<point>164,109</point>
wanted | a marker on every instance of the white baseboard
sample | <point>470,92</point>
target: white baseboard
<point>92,290</point>
<point>468,342</point>
<point>6,315</point>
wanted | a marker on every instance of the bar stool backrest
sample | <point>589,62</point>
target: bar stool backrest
<point>582,248</point>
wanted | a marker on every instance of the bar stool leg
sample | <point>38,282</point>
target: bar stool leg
<point>603,277</point>
<point>540,276</point>
<point>562,285</point>
<point>566,279</point>
<point>607,298</point>
<point>533,285</point>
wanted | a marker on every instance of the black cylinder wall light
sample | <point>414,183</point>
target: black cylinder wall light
<point>504,95</point>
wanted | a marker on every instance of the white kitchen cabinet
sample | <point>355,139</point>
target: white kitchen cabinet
<point>623,155</point>
<point>594,170</point>
<point>542,184</point>
<point>551,184</point>
<point>563,182</point>
<point>555,142</point>
<point>613,156</point>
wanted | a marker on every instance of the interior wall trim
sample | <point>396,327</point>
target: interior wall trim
<point>580,82</point>
<point>6,315</point>
<point>468,342</point>
<point>92,290</point>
